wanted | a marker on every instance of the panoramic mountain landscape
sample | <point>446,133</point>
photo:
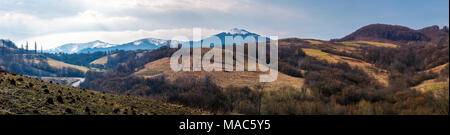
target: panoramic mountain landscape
<point>379,69</point>
<point>256,67</point>
<point>230,59</point>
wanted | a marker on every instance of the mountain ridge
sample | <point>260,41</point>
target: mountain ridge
<point>397,34</point>
<point>76,47</point>
<point>143,44</point>
<point>7,43</point>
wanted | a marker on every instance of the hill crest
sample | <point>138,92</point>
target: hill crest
<point>396,33</point>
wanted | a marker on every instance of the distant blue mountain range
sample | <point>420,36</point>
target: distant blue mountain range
<point>231,33</point>
<point>142,44</point>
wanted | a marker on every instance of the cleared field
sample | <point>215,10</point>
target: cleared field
<point>224,79</point>
<point>378,44</point>
<point>359,43</point>
<point>102,60</point>
<point>351,44</point>
<point>379,74</point>
<point>432,85</point>
<point>319,55</point>
<point>315,42</point>
<point>61,80</point>
<point>59,65</point>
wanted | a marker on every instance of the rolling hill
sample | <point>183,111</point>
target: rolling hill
<point>397,34</point>
<point>28,96</point>
<point>102,60</point>
<point>31,64</point>
<point>223,79</point>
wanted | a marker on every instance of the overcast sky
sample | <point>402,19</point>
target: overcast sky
<point>55,22</point>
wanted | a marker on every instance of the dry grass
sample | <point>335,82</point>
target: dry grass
<point>436,70</point>
<point>315,42</point>
<point>351,44</point>
<point>221,78</point>
<point>432,85</point>
<point>32,96</point>
<point>378,44</point>
<point>319,55</point>
<point>38,59</point>
<point>359,43</point>
<point>379,74</point>
<point>102,60</point>
<point>61,80</point>
<point>59,65</point>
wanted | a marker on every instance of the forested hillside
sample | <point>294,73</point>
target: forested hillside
<point>351,77</point>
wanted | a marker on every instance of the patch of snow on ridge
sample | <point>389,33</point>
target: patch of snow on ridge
<point>100,44</point>
<point>237,31</point>
<point>157,42</point>
<point>137,43</point>
<point>74,49</point>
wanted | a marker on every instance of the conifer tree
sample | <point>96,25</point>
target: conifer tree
<point>26,46</point>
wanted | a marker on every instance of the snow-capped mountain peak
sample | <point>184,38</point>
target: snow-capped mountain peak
<point>236,31</point>
<point>76,47</point>
<point>101,44</point>
<point>156,42</point>
<point>137,43</point>
<point>142,44</point>
<point>150,41</point>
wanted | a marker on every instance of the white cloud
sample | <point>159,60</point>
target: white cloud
<point>11,21</point>
<point>164,5</point>
<point>87,20</point>
<point>114,37</point>
<point>56,22</point>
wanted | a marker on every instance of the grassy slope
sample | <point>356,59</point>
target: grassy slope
<point>359,43</point>
<point>436,69</point>
<point>351,44</point>
<point>102,60</point>
<point>319,55</point>
<point>36,59</point>
<point>224,79</point>
<point>24,95</point>
<point>376,73</point>
<point>379,44</point>
<point>59,64</point>
<point>432,85</point>
<point>315,42</point>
